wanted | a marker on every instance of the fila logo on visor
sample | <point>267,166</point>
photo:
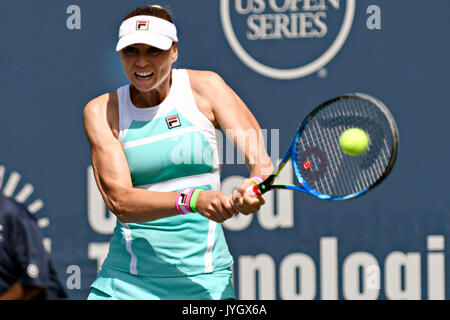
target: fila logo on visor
<point>142,25</point>
<point>173,122</point>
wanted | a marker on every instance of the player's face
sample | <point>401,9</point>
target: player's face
<point>148,68</point>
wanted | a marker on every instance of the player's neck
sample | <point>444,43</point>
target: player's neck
<point>153,97</point>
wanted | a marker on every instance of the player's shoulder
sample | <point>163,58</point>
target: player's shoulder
<point>205,81</point>
<point>203,75</point>
<point>101,104</point>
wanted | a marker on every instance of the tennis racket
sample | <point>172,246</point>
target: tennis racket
<point>322,168</point>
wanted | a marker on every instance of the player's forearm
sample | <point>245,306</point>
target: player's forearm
<point>262,168</point>
<point>250,143</point>
<point>259,163</point>
<point>139,205</point>
<point>131,204</point>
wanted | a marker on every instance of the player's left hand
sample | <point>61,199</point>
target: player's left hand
<point>244,203</point>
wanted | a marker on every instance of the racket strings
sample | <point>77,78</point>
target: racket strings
<point>331,172</point>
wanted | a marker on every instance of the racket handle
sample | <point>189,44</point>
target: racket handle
<point>253,191</point>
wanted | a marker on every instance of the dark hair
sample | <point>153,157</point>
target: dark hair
<point>150,10</point>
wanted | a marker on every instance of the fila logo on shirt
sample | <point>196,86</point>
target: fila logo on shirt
<point>142,25</point>
<point>173,121</point>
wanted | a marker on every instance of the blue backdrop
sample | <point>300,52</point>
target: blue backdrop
<point>389,244</point>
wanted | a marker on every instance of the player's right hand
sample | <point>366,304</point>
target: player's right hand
<point>215,206</point>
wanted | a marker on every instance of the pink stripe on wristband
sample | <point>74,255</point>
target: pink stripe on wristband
<point>183,200</point>
<point>257,178</point>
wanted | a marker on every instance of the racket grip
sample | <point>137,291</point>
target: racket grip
<point>253,191</point>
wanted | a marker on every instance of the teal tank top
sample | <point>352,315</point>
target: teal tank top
<point>169,147</point>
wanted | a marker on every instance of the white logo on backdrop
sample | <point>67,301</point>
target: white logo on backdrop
<point>291,20</point>
<point>8,186</point>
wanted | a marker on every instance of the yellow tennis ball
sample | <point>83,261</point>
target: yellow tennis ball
<point>354,141</point>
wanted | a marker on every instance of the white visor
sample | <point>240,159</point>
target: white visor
<point>149,30</point>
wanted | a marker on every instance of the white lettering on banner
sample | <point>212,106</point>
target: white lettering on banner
<point>436,268</point>
<point>284,7</point>
<point>286,19</point>
<point>264,266</point>
<point>260,272</point>
<point>294,25</point>
<point>289,280</point>
<point>329,269</point>
<point>259,6</point>
<point>408,264</point>
<point>352,288</point>
<point>255,6</point>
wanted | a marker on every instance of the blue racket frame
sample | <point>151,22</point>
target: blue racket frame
<point>292,154</point>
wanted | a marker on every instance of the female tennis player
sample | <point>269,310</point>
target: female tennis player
<point>155,159</point>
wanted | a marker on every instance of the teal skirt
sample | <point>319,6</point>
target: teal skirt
<point>116,285</point>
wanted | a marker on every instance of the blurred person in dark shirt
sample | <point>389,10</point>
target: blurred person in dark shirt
<point>26,272</point>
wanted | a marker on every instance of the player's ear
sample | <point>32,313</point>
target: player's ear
<point>174,52</point>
